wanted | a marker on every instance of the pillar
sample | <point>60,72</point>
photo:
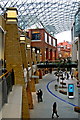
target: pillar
<point>29,83</point>
<point>47,54</point>
<point>55,54</point>
<point>74,52</point>
<point>23,54</point>
<point>40,74</point>
<point>38,56</point>
<point>28,51</point>
<point>13,53</point>
<point>37,76</point>
<point>30,34</point>
<point>29,94</point>
<point>29,57</point>
<point>32,85</point>
<point>43,54</point>
<point>33,55</point>
<point>25,106</point>
<point>51,54</point>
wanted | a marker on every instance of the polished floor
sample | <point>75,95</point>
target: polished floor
<point>44,109</point>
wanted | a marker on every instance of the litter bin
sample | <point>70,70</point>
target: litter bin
<point>56,87</point>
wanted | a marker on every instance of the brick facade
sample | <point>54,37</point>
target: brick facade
<point>64,49</point>
<point>48,50</point>
<point>13,52</point>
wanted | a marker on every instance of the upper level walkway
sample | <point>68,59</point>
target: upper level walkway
<point>65,108</point>
<point>56,65</point>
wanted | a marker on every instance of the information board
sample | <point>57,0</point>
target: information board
<point>71,90</point>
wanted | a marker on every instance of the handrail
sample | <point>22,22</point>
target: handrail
<point>5,74</point>
<point>51,65</point>
<point>6,84</point>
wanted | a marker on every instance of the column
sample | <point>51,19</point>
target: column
<point>13,52</point>
<point>29,83</point>
<point>25,106</point>
<point>29,55</point>
<point>55,54</point>
<point>74,52</point>
<point>33,55</point>
<point>30,34</point>
<point>29,94</point>
<point>23,50</point>
<point>43,54</point>
<point>47,54</point>
<point>51,54</point>
<point>38,56</point>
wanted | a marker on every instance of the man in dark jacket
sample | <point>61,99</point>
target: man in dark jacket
<point>38,96</point>
<point>67,75</point>
<point>54,110</point>
<point>41,93</point>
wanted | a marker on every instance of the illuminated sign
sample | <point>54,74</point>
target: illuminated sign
<point>70,90</point>
<point>35,32</point>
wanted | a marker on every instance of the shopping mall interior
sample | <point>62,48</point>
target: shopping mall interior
<point>39,75</point>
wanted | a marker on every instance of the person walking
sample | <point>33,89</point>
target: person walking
<point>41,94</point>
<point>65,73</point>
<point>72,76</point>
<point>67,76</point>
<point>54,110</point>
<point>38,96</point>
<point>25,76</point>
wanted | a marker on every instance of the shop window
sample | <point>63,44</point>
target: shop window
<point>36,36</point>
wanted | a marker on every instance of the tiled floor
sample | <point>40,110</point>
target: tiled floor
<point>44,109</point>
<point>12,109</point>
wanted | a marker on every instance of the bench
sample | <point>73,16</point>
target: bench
<point>77,109</point>
<point>62,86</point>
<point>63,83</point>
<point>63,92</point>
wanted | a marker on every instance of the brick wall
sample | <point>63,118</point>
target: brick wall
<point>13,53</point>
<point>23,53</point>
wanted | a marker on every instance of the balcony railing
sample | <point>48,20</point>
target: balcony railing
<point>6,83</point>
<point>56,65</point>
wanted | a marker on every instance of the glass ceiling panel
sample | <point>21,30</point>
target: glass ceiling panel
<point>54,15</point>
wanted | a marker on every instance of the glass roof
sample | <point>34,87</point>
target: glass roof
<point>54,15</point>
